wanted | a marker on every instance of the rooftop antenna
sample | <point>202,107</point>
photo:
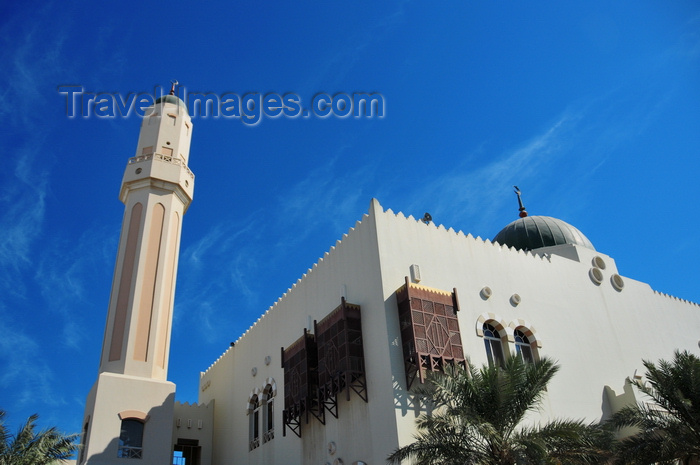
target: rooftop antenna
<point>173,83</point>
<point>523,213</point>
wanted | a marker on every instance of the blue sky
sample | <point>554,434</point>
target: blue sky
<point>592,109</point>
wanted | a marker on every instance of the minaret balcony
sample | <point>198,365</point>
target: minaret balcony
<point>160,157</point>
<point>158,170</point>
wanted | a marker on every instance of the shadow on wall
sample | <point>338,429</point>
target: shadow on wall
<point>613,403</point>
<point>109,456</point>
<point>407,401</point>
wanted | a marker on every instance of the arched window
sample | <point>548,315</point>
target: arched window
<point>494,346</point>
<point>269,413</point>
<point>131,439</point>
<point>254,422</point>
<point>523,345</point>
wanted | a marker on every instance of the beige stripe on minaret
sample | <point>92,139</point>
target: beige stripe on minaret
<point>163,332</point>
<point>148,289</point>
<point>127,274</point>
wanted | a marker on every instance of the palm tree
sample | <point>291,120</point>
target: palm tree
<point>28,447</point>
<point>669,428</point>
<point>477,416</point>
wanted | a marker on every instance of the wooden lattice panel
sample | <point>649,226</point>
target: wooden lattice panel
<point>429,329</point>
<point>340,354</point>
<point>300,364</point>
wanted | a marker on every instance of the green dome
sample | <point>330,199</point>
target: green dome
<point>174,99</point>
<point>534,232</point>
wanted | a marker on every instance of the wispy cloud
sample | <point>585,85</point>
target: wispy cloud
<point>24,372</point>
<point>242,250</point>
<point>335,68</point>
<point>31,67</point>
<point>64,275</point>
<point>227,247</point>
<point>326,195</point>
<point>477,192</point>
<point>23,203</point>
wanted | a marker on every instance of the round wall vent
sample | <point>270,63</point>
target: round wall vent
<point>515,300</point>
<point>596,275</point>
<point>598,262</point>
<point>617,282</point>
<point>486,293</point>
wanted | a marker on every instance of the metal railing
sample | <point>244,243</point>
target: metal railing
<point>126,452</point>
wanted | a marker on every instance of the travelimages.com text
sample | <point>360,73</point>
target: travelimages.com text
<point>250,107</point>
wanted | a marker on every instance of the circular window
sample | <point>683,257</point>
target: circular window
<point>598,262</point>
<point>138,170</point>
<point>617,282</point>
<point>596,275</point>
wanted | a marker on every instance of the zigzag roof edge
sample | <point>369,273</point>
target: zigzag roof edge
<point>326,254</point>
<point>669,296</point>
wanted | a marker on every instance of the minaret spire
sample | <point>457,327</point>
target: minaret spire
<point>522,211</point>
<point>129,411</point>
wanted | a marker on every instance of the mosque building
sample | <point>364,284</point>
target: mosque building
<point>325,375</point>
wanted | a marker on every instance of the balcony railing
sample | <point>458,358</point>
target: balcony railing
<point>126,452</point>
<point>269,435</point>
<point>164,158</point>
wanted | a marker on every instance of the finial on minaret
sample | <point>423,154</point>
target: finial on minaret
<point>523,213</point>
<point>173,83</point>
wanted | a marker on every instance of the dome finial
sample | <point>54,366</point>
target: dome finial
<point>523,213</point>
<point>173,83</point>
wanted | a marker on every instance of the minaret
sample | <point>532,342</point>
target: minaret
<point>129,411</point>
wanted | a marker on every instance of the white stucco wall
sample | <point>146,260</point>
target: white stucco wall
<point>598,334</point>
<point>195,422</point>
<point>115,394</point>
<point>351,267</point>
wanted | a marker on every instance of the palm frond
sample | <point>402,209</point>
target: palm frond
<point>28,447</point>
<point>476,414</point>
<point>668,429</point>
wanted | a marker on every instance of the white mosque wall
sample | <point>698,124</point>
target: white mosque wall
<point>195,422</point>
<point>598,333</point>
<point>350,268</point>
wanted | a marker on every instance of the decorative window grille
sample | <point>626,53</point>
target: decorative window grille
<point>300,364</point>
<point>429,330</point>
<point>341,363</point>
